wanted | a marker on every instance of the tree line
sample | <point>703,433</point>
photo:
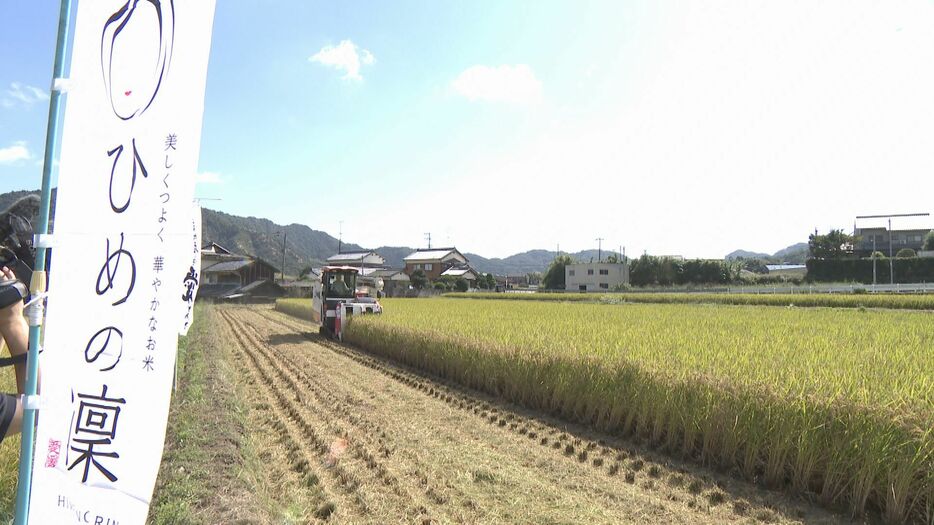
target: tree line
<point>832,259</point>
<point>649,270</point>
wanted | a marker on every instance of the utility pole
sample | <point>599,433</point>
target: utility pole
<point>428,236</point>
<point>599,249</point>
<point>873,259</point>
<point>891,259</point>
<point>282,274</point>
<point>340,235</point>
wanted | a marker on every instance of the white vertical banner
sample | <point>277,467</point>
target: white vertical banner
<point>192,277</point>
<point>123,231</point>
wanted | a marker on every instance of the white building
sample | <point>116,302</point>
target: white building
<point>357,260</point>
<point>595,276</point>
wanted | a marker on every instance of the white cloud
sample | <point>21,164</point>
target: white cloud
<point>208,177</point>
<point>514,84</point>
<point>346,57</point>
<point>14,153</point>
<point>21,94</point>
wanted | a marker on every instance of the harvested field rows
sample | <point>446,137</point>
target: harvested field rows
<point>385,444</point>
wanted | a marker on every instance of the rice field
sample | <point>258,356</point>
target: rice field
<point>892,301</point>
<point>835,402</point>
<point>300,308</point>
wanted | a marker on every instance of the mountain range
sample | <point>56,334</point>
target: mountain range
<point>306,247</point>
<point>794,254</point>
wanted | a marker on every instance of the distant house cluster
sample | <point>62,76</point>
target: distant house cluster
<point>239,277</point>
<point>435,263</point>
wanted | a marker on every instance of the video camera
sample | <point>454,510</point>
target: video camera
<point>16,253</point>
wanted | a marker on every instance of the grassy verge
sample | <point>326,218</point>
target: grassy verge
<point>835,402</point>
<point>900,302</point>
<point>208,457</point>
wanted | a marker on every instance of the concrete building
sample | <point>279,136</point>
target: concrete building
<point>913,239</point>
<point>595,276</point>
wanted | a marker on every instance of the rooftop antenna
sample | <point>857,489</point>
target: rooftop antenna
<point>428,236</point>
<point>599,249</point>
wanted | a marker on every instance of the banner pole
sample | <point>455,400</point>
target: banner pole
<point>24,484</point>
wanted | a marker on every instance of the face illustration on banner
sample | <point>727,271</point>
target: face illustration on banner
<point>136,51</point>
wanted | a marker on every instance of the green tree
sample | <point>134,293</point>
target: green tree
<point>418,279</point>
<point>833,245</point>
<point>306,271</point>
<point>753,265</point>
<point>461,284</point>
<point>490,281</point>
<point>906,252</point>
<point>929,241</point>
<point>554,276</point>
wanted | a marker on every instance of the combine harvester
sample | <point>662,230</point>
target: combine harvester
<point>341,294</point>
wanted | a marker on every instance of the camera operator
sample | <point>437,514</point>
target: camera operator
<point>16,252</point>
<point>15,332</point>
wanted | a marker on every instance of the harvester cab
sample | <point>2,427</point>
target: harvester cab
<point>336,299</point>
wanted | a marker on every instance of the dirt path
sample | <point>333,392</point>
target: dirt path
<point>370,442</point>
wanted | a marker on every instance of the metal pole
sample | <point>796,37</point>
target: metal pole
<point>340,235</point>
<point>873,262</point>
<point>282,273</point>
<point>24,483</point>
<point>891,260</point>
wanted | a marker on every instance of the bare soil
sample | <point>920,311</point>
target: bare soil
<point>346,437</point>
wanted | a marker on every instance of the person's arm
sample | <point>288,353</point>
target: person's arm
<point>15,331</point>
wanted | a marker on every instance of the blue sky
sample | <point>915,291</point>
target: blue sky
<point>690,128</point>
